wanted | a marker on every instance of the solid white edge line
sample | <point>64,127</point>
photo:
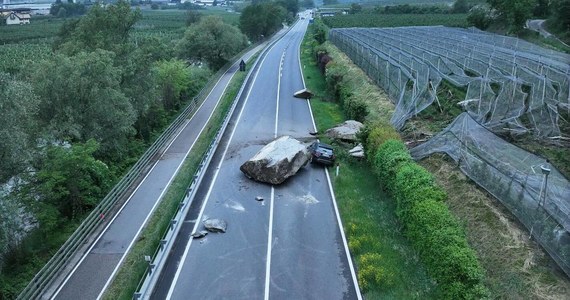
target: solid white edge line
<point>171,178</point>
<point>331,190</point>
<point>187,249</point>
<point>269,245</point>
<point>130,196</point>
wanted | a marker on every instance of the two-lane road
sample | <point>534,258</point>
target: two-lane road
<point>288,246</point>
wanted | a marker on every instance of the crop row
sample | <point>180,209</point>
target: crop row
<point>396,20</point>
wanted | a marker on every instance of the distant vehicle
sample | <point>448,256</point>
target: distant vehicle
<point>322,153</point>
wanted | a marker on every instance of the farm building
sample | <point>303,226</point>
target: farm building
<point>15,17</point>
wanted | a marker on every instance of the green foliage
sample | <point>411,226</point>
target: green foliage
<point>371,273</point>
<point>308,3</point>
<point>443,246</point>
<point>414,184</point>
<point>39,29</point>
<point>193,17</point>
<point>561,11</point>
<point>396,20</point>
<point>375,134</point>
<point>355,8</point>
<point>387,161</point>
<point>67,9</point>
<point>516,12</point>
<point>414,9</point>
<point>18,109</point>
<point>259,21</point>
<point>70,182</point>
<point>103,27</point>
<point>173,78</point>
<point>320,31</point>
<point>460,7</point>
<point>212,41</point>
<point>480,17</point>
<point>355,109</point>
<point>368,214</point>
<point>81,100</point>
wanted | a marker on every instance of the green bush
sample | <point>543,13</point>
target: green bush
<point>414,184</point>
<point>443,248</point>
<point>387,161</point>
<point>374,135</point>
<point>355,109</point>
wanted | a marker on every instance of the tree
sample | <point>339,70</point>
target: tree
<point>173,77</point>
<point>308,4</point>
<point>18,111</point>
<point>101,28</point>
<point>479,16</point>
<point>70,182</point>
<point>259,21</point>
<point>355,8</point>
<point>292,6</point>
<point>460,7</point>
<point>562,14</point>
<point>213,41</point>
<point>192,17</point>
<point>81,100</point>
<point>516,12</point>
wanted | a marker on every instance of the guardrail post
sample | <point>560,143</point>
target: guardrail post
<point>137,296</point>
<point>172,223</point>
<point>162,243</point>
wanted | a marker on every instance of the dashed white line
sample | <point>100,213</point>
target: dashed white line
<point>187,249</point>
<point>339,221</point>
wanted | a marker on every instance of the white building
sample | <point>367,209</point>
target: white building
<point>15,18</point>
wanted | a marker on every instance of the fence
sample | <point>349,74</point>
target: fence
<point>84,235</point>
<point>158,259</point>
<point>512,87</point>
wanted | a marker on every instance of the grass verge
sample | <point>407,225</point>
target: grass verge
<point>134,266</point>
<point>373,232</point>
<point>516,267</point>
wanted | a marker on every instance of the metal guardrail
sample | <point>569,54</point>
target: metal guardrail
<point>153,270</point>
<point>44,279</point>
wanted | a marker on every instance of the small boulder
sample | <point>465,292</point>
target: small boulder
<point>357,151</point>
<point>199,234</point>
<point>346,131</point>
<point>215,225</point>
<point>277,161</point>
<point>303,94</point>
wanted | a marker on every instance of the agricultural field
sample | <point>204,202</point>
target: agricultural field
<point>15,56</point>
<point>39,29</point>
<point>396,20</point>
<point>487,115</point>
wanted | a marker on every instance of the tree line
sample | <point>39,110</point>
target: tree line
<point>73,123</point>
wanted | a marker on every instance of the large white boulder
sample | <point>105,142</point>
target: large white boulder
<point>277,161</point>
<point>346,131</point>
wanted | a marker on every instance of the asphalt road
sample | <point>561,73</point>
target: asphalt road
<point>97,267</point>
<point>288,246</point>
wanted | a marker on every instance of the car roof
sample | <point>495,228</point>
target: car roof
<point>323,145</point>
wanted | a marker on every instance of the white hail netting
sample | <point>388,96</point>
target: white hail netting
<point>512,86</point>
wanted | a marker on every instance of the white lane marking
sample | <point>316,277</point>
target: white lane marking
<point>339,221</point>
<point>187,249</point>
<point>172,177</point>
<point>269,245</point>
<point>270,230</point>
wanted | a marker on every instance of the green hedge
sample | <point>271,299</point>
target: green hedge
<point>387,161</point>
<point>432,229</point>
<point>428,223</point>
